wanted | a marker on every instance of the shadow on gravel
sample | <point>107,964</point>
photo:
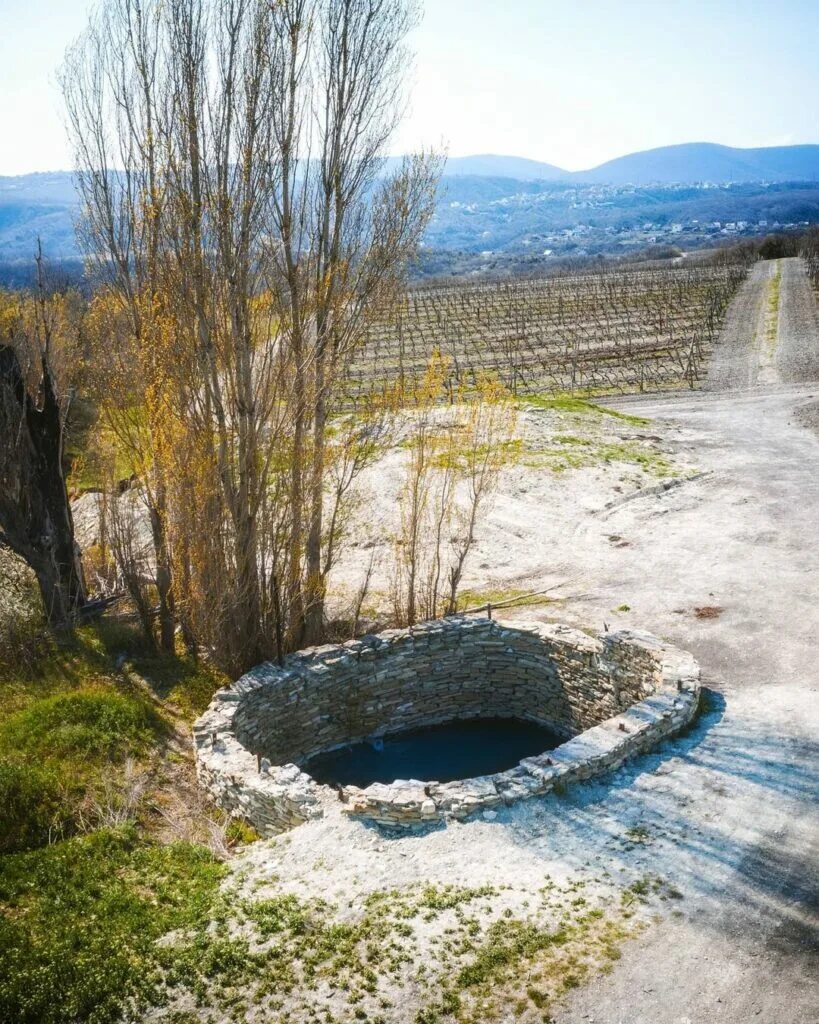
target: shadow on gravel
<point>789,872</point>
<point>682,814</point>
<point>712,708</point>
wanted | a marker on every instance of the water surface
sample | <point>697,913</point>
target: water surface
<point>440,753</point>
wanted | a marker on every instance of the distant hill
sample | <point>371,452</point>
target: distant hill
<point>684,164</point>
<point>706,161</point>
<point>516,167</point>
<point>37,205</point>
<point>493,202</point>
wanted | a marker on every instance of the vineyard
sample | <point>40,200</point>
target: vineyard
<point>629,330</point>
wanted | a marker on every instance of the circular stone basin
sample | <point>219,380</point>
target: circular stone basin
<point>449,701</point>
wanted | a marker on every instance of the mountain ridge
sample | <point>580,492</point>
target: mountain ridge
<point>690,162</point>
<point>682,163</point>
<point>513,190</point>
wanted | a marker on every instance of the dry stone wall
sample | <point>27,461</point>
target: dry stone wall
<point>611,696</point>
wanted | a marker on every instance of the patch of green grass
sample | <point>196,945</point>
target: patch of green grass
<point>81,919</point>
<point>447,897</point>
<point>94,723</point>
<point>575,453</point>
<point>581,407</point>
<point>508,943</point>
<point>35,808</point>
<point>565,451</point>
<point>185,682</point>
<point>239,833</point>
<point>66,733</point>
<point>89,659</point>
<point>570,439</point>
<point>278,914</point>
<point>477,598</point>
<point>772,317</point>
<point>241,953</point>
<point>508,451</point>
<point>70,726</point>
<point>84,660</point>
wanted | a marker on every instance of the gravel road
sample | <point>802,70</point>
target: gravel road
<point>798,349</point>
<point>737,816</point>
<point>746,946</point>
<point>765,342</point>
<point>736,357</point>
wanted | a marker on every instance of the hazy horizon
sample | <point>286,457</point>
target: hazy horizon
<point>573,88</point>
<point>500,156</point>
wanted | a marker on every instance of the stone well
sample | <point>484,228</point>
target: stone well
<point>611,696</point>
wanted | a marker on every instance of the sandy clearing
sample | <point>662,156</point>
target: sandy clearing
<point>730,811</point>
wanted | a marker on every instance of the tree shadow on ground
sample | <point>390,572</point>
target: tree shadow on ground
<point>726,812</point>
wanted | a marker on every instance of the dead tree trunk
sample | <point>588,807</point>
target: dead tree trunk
<point>35,515</point>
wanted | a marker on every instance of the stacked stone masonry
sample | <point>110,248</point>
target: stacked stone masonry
<point>611,696</point>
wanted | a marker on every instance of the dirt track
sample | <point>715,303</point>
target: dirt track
<point>746,947</point>
<point>746,355</point>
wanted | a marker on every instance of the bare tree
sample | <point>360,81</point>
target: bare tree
<point>112,82</point>
<point>345,229</point>
<point>248,235</point>
<point>491,421</point>
<point>456,454</point>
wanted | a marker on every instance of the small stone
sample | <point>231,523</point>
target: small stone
<point>490,815</point>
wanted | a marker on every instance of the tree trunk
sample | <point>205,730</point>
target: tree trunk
<point>295,595</point>
<point>35,514</point>
<point>164,575</point>
<point>314,618</point>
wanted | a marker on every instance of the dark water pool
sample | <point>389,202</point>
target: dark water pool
<point>441,753</point>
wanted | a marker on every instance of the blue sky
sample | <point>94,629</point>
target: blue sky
<point>574,82</point>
